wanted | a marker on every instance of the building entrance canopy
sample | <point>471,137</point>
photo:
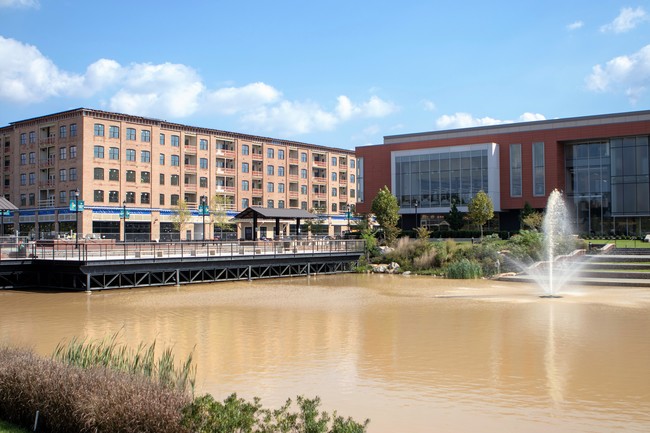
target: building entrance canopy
<point>261,213</point>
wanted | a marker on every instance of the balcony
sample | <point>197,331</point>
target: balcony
<point>48,202</point>
<point>226,170</point>
<point>319,163</point>
<point>319,180</point>
<point>257,173</point>
<point>226,153</point>
<point>190,148</point>
<point>46,183</point>
<point>223,188</point>
<point>47,162</point>
<point>190,187</point>
<point>47,141</point>
<point>190,167</point>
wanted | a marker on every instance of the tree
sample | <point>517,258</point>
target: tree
<point>386,210</point>
<point>314,225</point>
<point>218,215</point>
<point>180,216</point>
<point>480,209</point>
<point>455,218</point>
<point>531,218</point>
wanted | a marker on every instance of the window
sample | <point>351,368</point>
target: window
<point>62,197</point>
<point>176,140</point>
<point>303,189</point>
<point>270,153</point>
<point>113,132</point>
<point>280,187</point>
<point>23,138</point>
<point>130,175</point>
<point>23,200</point>
<point>203,182</point>
<point>203,144</point>
<point>515,170</point>
<point>23,179</point>
<point>161,180</point>
<point>63,175</point>
<point>98,196</point>
<point>203,163</point>
<point>130,197</point>
<point>63,132</point>
<point>270,170</point>
<point>99,130</point>
<point>32,137</point>
<point>162,159</point>
<point>114,153</point>
<point>334,160</point>
<point>351,178</point>
<point>538,169</point>
<point>114,174</point>
<point>334,176</point>
<point>73,130</point>
<point>98,173</point>
<point>130,154</point>
<point>145,137</point>
<point>280,154</point>
<point>98,152</point>
<point>244,167</point>
<point>245,149</point>
<point>32,199</point>
<point>351,193</point>
<point>244,203</point>
<point>144,197</point>
<point>73,150</point>
<point>73,174</point>
<point>162,139</point>
<point>270,204</point>
<point>174,179</point>
<point>352,163</point>
<point>32,157</point>
<point>145,156</point>
<point>63,153</point>
<point>23,158</point>
<point>244,185</point>
<point>145,177</point>
<point>281,171</point>
<point>281,204</point>
<point>303,173</point>
<point>113,197</point>
<point>161,199</point>
<point>270,187</point>
<point>174,200</point>
<point>175,161</point>
<point>334,192</point>
<point>303,157</point>
<point>130,133</point>
<point>334,207</point>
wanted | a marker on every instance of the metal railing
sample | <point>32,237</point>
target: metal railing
<point>91,250</point>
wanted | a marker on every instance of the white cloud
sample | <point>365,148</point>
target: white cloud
<point>627,20</point>
<point>575,25</point>
<point>466,120</point>
<point>629,75</point>
<point>19,3</point>
<point>169,90</point>
<point>428,105</point>
<point>28,76</point>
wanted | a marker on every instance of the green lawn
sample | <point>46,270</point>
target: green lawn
<point>5,427</point>
<point>621,243</point>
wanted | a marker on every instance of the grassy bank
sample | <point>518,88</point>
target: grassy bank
<point>5,427</point>
<point>102,386</point>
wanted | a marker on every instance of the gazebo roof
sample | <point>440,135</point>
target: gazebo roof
<point>6,204</point>
<point>273,213</point>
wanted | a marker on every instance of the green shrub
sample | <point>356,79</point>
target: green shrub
<point>464,269</point>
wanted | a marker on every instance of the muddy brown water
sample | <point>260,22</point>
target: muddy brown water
<point>413,354</point>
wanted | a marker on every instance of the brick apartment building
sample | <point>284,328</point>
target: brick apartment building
<point>114,162</point>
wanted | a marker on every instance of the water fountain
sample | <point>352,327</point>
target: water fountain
<point>557,230</point>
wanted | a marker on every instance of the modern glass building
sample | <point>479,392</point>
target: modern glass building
<point>600,163</point>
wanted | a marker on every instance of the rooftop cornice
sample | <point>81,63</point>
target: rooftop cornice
<point>172,126</point>
<point>511,128</point>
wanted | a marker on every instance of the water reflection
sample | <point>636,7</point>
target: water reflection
<point>413,354</point>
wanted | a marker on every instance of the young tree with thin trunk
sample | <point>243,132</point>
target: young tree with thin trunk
<point>180,216</point>
<point>386,210</point>
<point>480,209</point>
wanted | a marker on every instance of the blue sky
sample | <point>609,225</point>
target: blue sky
<point>335,73</point>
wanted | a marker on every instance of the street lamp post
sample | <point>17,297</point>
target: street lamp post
<point>416,214</point>
<point>203,204</point>
<point>124,218</point>
<point>349,210</point>
<point>76,213</point>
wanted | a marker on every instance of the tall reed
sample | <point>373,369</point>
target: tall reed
<point>112,354</point>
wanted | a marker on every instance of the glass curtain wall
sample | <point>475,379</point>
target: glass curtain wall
<point>437,179</point>
<point>608,185</point>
